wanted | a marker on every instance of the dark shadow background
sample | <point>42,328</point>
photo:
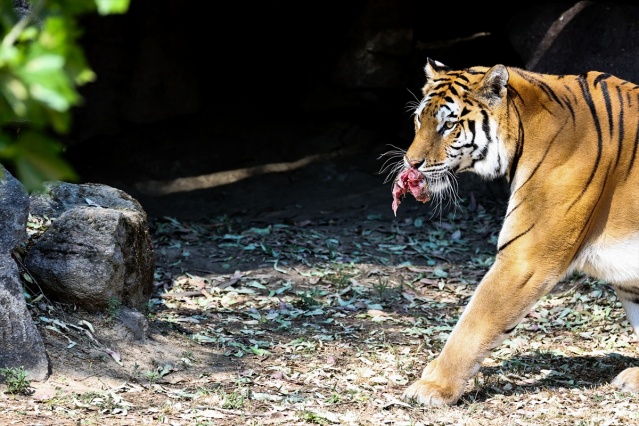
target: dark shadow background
<point>184,91</point>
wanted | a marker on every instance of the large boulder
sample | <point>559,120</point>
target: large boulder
<point>97,250</point>
<point>20,341</point>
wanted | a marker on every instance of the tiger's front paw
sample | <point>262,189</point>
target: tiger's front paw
<point>428,393</point>
<point>627,380</point>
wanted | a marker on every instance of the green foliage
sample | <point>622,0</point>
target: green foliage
<point>113,309</point>
<point>233,401</point>
<point>41,66</point>
<point>16,380</point>
<point>152,376</point>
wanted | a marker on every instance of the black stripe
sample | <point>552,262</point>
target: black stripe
<point>440,87</point>
<point>593,111</point>
<point>510,330</point>
<point>545,88</point>
<point>569,106</point>
<point>482,154</point>
<point>634,151</point>
<point>472,131</point>
<point>485,127</point>
<point>467,124</point>
<point>569,90</point>
<point>606,96</point>
<point>592,210</point>
<point>551,93</point>
<point>519,150</point>
<point>485,124</point>
<point>514,208</point>
<point>621,127</point>
<point>460,85</point>
<point>600,78</point>
<point>516,93</point>
<point>503,246</point>
<point>629,290</point>
<point>546,109</point>
<point>520,137</point>
<point>540,162</point>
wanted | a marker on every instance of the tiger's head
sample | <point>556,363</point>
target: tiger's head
<point>461,124</point>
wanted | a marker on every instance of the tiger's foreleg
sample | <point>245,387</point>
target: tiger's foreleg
<point>505,295</point>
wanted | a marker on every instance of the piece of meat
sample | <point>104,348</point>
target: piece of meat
<point>409,180</point>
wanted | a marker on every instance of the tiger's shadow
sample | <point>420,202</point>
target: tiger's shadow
<point>538,371</point>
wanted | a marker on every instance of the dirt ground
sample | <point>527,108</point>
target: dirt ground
<point>287,293</point>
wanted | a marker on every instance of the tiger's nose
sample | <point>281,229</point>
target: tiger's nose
<point>415,163</point>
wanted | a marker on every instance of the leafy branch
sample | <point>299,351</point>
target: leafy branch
<point>41,67</point>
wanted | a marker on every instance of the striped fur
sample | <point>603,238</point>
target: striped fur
<point>568,146</point>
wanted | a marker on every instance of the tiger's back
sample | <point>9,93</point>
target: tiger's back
<point>568,146</point>
<point>578,179</point>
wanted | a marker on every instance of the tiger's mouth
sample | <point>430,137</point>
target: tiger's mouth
<point>409,180</point>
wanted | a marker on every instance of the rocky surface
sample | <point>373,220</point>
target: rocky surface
<point>20,341</point>
<point>97,250</point>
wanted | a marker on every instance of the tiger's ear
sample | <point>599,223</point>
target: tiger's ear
<point>494,86</point>
<point>432,68</point>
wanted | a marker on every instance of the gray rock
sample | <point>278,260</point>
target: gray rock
<point>20,342</point>
<point>96,250</point>
<point>132,324</point>
<point>59,197</point>
<point>14,211</point>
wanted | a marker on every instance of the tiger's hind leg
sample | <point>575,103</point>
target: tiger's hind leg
<point>628,293</point>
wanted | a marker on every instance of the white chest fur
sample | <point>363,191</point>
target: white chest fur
<point>612,261</point>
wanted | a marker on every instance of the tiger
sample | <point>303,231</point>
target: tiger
<point>567,147</point>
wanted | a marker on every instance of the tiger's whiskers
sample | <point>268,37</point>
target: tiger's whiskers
<point>394,164</point>
<point>448,197</point>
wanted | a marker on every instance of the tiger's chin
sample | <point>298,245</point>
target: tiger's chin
<point>439,189</point>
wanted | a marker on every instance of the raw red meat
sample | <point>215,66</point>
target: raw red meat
<point>409,180</point>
